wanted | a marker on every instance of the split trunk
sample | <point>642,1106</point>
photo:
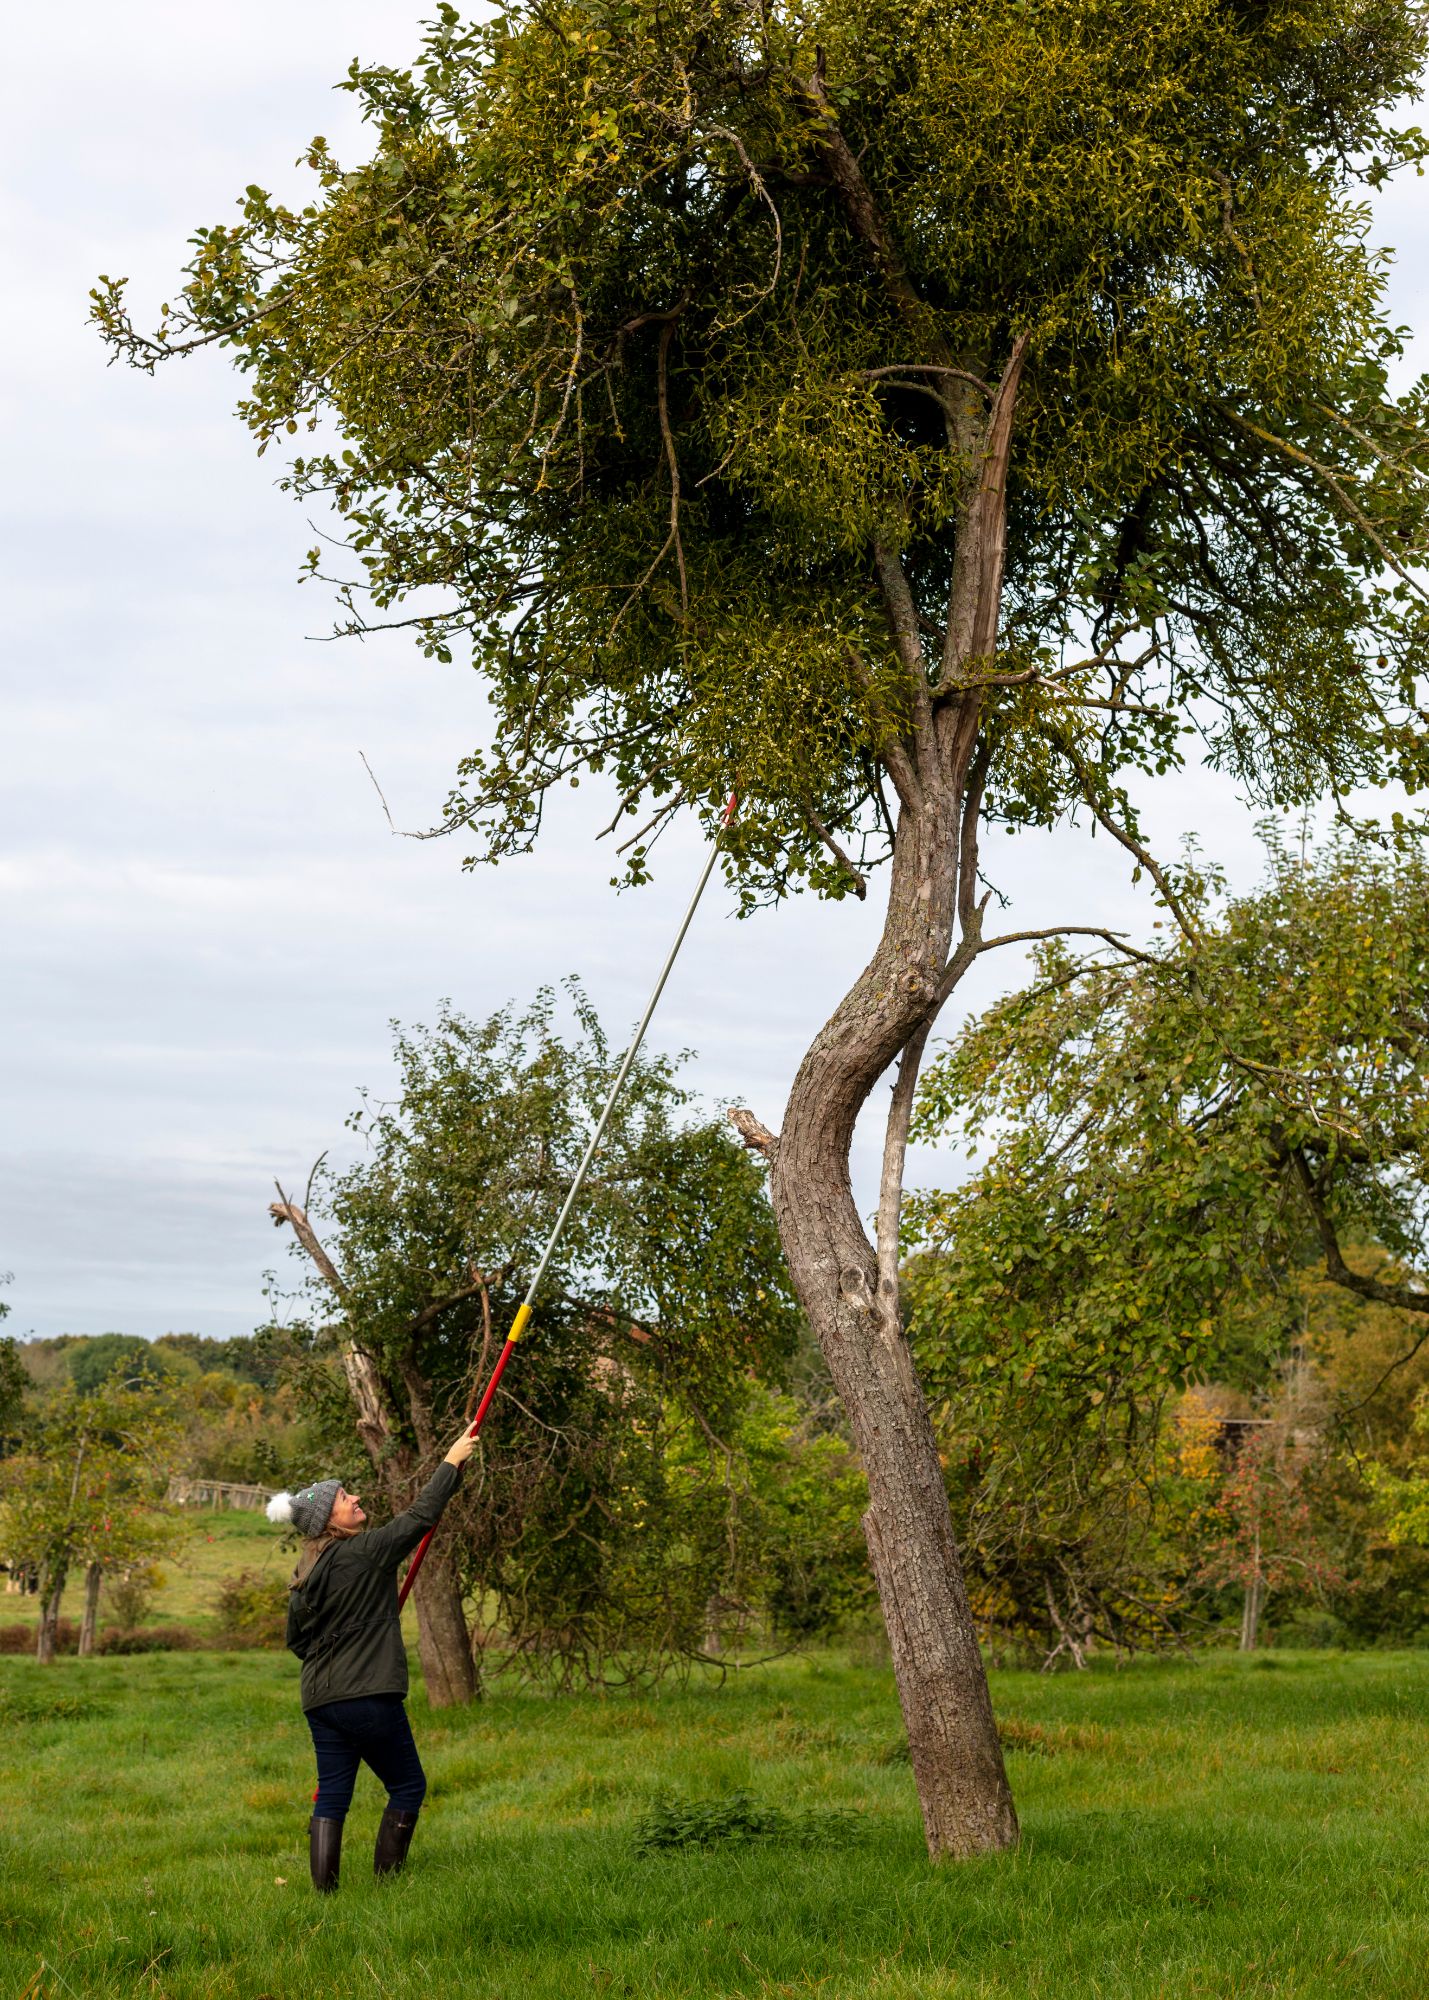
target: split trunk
<point>942,1685</point>
<point>849,1293</point>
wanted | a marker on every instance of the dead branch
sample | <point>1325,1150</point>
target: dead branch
<point>975,593</point>
<point>756,1136</point>
<point>667,334</point>
<point>374,1426</point>
<point>283,1211</point>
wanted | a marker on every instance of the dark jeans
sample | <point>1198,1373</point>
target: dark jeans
<point>373,1730</point>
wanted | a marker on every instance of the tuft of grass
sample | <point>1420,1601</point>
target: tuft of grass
<point>741,1818</point>
<point>1038,1739</point>
<point>41,1705</point>
<point>1041,1739</point>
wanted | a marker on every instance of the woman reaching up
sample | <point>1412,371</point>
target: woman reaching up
<point>344,1625</point>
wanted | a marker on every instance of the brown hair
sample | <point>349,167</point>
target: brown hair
<point>313,1547</point>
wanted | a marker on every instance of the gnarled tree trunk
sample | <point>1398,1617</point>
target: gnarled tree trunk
<point>942,1686</point>
<point>850,1293</point>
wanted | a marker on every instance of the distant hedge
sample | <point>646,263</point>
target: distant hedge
<point>118,1639</point>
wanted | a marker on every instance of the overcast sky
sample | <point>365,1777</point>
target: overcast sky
<point>205,925</point>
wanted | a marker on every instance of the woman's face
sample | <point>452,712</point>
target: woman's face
<point>347,1515</point>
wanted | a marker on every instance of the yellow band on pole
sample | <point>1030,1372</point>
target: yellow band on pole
<point>520,1323</point>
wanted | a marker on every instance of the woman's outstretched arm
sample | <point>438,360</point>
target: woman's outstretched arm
<point>389,1545</point>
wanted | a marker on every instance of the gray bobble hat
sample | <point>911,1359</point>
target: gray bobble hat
<point>309,1509</point>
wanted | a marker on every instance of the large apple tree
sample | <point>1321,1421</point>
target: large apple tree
<point>914,413</point>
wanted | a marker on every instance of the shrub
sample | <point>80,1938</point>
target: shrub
<point>21,1638</point>
<point>112,1639</point>
<point>1311,1628</point>
<point>252,1609</point>
<point>129,1593</point>
<point>147,1639</point>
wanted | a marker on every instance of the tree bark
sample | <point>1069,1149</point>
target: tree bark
<point>1250,1616</point>
<point>93,1577</point>
<point>51,1591</point>
<point>1253,1604</point>
<point>850,1294</point>
<point>942,1685</point>
<point>443,1642</point>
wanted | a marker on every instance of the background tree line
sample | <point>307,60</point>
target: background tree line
<point>1169,1322</point>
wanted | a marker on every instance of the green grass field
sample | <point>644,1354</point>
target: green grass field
<point>1216,1828</point>
<point>208,1546</point>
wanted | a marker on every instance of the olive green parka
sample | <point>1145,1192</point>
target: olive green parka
<point>343,1621</point>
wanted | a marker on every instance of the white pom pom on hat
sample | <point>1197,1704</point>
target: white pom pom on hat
<point>309,1509</point>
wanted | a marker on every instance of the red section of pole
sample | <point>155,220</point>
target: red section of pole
<point>480,1418</point>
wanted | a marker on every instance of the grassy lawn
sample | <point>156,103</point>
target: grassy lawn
<point>1223,1827</point>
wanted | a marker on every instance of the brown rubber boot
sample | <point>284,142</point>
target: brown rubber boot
<point>324,1853</point>
<point>394,1837</point>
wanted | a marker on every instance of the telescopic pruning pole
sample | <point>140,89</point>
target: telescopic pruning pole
<point>524,1311</point>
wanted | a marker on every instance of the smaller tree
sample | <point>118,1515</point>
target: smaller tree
<point>587,1534</point>
<point>1267,1538</point>
<point>1183,1138</point>
<point>807,1494</point>
<point>83,1492</point>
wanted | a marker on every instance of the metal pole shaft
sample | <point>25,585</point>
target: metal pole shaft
<point>630,1054</point>
<point>524,1311</point>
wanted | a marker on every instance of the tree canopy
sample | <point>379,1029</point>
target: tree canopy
<point>654,341</point>
<point>1187,1147</point>
<point>1174,1133</point>
<point>463,1172</point>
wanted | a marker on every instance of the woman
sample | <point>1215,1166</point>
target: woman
<point>344,1626</point>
